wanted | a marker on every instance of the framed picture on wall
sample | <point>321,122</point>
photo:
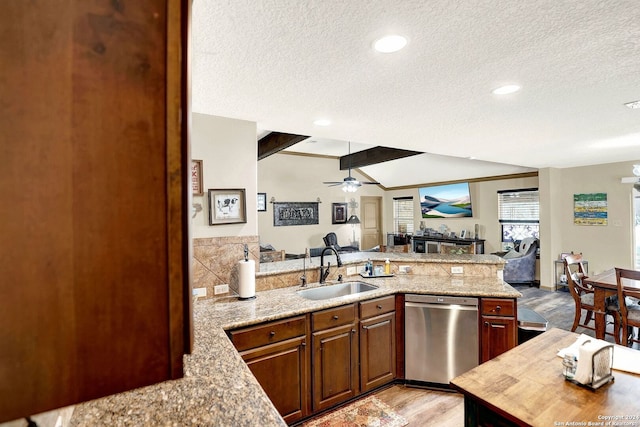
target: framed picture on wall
<point>227,206</point>
<point>262,202</point>
<point>196,178</point>
<point>338,213</point>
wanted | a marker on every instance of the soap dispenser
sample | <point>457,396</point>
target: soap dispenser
<point>387,266</point>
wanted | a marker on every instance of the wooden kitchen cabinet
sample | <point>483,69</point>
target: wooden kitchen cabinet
<point>377,342</point>
<point>276,354</point>
<point>498,327</point>
<point>335,356</point>
<point>94,186</point>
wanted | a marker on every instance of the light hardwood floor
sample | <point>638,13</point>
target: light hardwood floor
<point>423,407</point>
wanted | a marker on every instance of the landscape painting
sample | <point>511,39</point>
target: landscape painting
<point>446,201</point>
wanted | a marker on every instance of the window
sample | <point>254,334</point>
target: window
<point>403,215</point>
<point>519,214</point>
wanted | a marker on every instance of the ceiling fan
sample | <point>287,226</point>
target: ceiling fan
<point>349,184</point>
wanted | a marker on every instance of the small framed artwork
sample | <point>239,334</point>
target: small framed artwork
<point>563,255</point>
<point>227,206</point>
<point>463,234</point>
<point>262,202</point>
<point>338,213</point>
<point>196,178</point>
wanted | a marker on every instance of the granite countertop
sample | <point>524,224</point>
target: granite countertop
<point>218,388</point>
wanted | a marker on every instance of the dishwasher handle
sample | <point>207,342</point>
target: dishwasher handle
<point>442,306</point>
<point>441,299</point>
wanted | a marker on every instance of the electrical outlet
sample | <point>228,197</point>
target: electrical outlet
<point>220,289</point>
<point>351,271</point>
<point>405,269</point>
<point>199,292</point>
<point>456,270</point>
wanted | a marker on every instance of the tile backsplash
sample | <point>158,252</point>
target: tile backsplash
<point>215,261</point>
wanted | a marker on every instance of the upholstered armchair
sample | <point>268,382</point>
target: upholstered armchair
<point>521,264</point>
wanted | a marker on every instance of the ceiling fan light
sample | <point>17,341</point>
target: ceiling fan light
<point>350,187</point>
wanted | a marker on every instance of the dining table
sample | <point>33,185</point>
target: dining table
<point>604,284</point>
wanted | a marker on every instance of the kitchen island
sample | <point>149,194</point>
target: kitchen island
<point>218,387</point>
<point>525,387</point>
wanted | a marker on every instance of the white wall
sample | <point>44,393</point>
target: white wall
<point>603,246</point>
<point>296,178</point>
<point>228,149</point>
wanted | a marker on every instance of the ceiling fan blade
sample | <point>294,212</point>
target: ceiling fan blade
<point>369,182</point>
<point>333,182</point>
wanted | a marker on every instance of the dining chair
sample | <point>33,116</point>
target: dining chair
<point>629,308</point>
<point>583,296</point>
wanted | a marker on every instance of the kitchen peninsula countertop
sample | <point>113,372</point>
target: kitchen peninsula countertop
<point>349,258</point>
<point>218,388</point>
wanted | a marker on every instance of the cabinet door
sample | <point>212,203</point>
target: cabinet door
<point>498,335</point>
<point>377,351</point>
<point>335,366</point>
<point>282,371</point>
<point>93,181</point>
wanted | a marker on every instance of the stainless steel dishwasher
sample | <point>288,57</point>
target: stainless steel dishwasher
<point>441,337</point>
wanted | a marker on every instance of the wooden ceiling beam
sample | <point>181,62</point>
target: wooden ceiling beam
<point>373,156</point>
<point>277,141</point>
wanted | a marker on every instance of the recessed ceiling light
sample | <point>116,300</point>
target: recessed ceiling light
<point>633,105</point>
<point>390,44</point>
<point>506,90</point>
<point>322,122</point>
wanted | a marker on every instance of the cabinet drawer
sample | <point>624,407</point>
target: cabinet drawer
<point>377,306</point>
<point>269,333</point>
<point>498,307</point>
<point>333,317</point>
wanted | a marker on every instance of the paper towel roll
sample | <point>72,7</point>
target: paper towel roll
<point>247,279</point>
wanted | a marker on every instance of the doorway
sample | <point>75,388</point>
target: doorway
<point>371,223</point>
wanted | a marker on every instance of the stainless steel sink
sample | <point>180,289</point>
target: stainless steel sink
<point>334,291</point>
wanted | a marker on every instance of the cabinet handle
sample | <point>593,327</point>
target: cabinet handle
<point>379,307</point>
<point>353,331</point>
<point>486,323</point>
<point>498,308</point>
<point>272,333</point>
<point>335,317</point>
<point>303,343</point>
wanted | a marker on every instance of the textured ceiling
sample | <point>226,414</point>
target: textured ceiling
<point>285,63</point>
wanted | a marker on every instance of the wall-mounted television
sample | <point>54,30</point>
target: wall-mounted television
<point>446,201</point>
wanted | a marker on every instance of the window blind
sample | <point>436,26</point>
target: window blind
<point>519,205</point>
<point>403,215</point>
